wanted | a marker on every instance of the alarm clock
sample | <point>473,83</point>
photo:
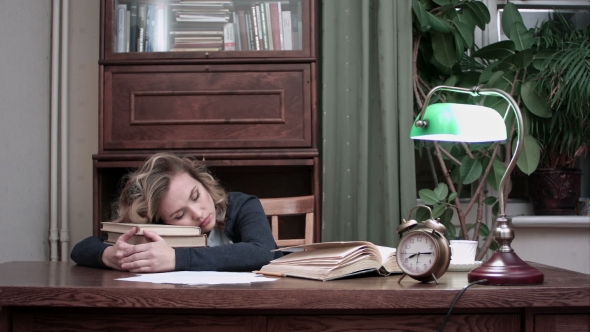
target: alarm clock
<point>423,252</point>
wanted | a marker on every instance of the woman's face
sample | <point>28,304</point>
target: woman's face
<point>188,203</point>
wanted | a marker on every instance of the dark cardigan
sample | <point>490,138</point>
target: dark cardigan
<point>246,226</point>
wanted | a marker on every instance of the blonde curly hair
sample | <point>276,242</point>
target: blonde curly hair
<point>144,189</point>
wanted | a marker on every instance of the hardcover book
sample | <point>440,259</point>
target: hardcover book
<point>175,236</point>
<point>333,260</point>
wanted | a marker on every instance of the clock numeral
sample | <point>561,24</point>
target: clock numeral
<point>419,238</point>
<point>411,240</point>
<point>407,246</point>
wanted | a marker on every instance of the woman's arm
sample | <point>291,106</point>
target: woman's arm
<point>248,227</point>
<point>93,252</point>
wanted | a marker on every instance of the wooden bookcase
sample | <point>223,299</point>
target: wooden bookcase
<point>249,114</point>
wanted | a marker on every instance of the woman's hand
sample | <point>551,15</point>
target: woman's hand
<point>156,256</point>
<point>113,255</point>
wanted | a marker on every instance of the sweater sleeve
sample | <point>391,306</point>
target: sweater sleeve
<point>88,252</point>
<point>247,226</point>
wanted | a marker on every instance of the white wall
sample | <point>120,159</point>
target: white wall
<point>25,39</point>
<point>25,72</point>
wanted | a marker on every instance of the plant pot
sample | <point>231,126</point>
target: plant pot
<point>555,191</point>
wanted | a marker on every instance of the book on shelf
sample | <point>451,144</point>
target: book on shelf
<point>243,32</point>
<point>121,19</point>
<point>141,27</point>
<point>175,236</point>
<point>133,27</point>
<point>287,32</point>
<point>229,38</point>
<point>333,260</point>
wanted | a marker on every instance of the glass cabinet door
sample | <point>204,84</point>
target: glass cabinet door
<point>144,29</point>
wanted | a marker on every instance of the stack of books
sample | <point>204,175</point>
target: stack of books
<point>175,236</point>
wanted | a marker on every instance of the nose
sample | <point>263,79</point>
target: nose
<point>195,212</point>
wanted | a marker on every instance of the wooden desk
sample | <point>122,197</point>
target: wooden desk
<point>61,296</point>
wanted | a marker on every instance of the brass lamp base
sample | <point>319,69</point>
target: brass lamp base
<point>506,268</point>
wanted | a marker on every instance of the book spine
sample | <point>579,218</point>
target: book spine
<point>127,28</point>
<point>256,31</point>
<point>275,25</point>
<point>133,28</point>
<point>250,28</point>
<point>236,22</point>
<point>149,31</point>
<point>141,26</point>
<point>269,31</point>
<point>287,37</point>
<point>245,45</point>
<point>122,13</point>
<point>262,14</point>
<point>160,27</point>
<point>229,40</point>
<point>280,15</point>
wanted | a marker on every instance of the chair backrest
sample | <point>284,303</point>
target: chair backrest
<point>289,206</point>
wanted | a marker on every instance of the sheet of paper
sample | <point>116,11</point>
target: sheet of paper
<point>199,278</point>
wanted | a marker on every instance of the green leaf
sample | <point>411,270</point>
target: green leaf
<point>484,230</point>
<point>530,155</point>
<point>444,2</point>
<point>496,76</point>
<point>421,15</point>
<point>428,196</point>
<point>438,210</point>
<point>496,51</point>
<point>523,59</point>
<point>540,58</point>
<point>535,102</point>
<point>443,49</point>
<point>422,214</point>
<point>490,200</point>
<point>510,17</point>
<point>441,191</point>
<point>521,36</point>
<point>495,176</point>
<point>471,170</point>
<point>480,16</point>
<point>488,72</point>
<point>452,197</point>
<point>438,24</point>
<point>465,31</point>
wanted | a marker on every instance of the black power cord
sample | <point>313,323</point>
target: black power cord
<point>482,281</point>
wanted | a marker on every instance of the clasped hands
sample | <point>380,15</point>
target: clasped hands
<point>155,256</point>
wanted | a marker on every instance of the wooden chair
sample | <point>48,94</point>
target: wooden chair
<point>289,206</point>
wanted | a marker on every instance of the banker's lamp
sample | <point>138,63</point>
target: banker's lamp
<point>471,123</point>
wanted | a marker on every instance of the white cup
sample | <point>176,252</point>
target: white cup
<point>463,251</point>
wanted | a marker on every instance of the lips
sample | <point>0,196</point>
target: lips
<point>205,222</point>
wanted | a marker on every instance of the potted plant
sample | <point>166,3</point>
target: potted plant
<point>564,74</point>
<point>443,38</point>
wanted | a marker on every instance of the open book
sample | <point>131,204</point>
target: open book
<point>175,236</point>
<point>333,260</point>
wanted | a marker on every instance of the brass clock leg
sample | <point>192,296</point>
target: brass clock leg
<point>400,279</point>
<point>433,277</point>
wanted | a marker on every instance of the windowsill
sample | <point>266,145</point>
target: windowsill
<point>551,221</point>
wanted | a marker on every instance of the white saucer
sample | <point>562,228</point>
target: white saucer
<point>454,267</point>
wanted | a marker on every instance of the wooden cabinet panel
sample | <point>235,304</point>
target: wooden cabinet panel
<point>427,323</point>
<point>213,106</point>
<point>135,322</point>
<point>562,323</point>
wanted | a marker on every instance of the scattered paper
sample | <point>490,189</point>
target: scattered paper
<point>199,278</point>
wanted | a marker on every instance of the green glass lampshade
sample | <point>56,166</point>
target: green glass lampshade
<point>460,123</point>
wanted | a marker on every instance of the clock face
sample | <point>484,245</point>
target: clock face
<point>417,254</point>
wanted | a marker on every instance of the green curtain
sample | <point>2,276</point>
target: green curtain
<point>368,176</point>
